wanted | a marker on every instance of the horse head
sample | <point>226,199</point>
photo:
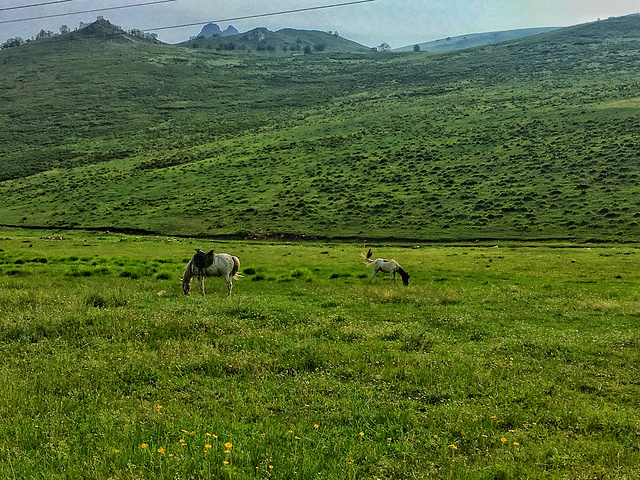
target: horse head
<point>405,277</point>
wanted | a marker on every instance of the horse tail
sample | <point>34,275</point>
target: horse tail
<point>236,268</point>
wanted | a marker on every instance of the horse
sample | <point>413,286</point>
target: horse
<point>386,266</point>
<point>210,265</point>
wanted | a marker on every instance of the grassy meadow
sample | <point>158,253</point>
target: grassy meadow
<point>500,360</point>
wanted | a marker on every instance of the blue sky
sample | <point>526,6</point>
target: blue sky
<point>396,22</point>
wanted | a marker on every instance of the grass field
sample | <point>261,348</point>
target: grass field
<point>503,360</point>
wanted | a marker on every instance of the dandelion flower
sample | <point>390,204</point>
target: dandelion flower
<point>207,434</point>
<point>144,445</point>
<point>225,462</point>
<point>454,447</point>
<point>228,444</point>
<point>435,436</point>
<point>207,445</point>
<point>161,450</point>
<point>516,444</point>
<point>361,434</point>
<point>270,466</point>
<point>316,426</point>
<point>503,439</point>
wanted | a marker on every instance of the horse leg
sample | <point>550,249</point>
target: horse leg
<point>374,274</point>
<point>229,286</point>
<point>392,275</point>
<point>201,280</point>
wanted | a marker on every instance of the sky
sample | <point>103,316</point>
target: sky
<point>395,22</point>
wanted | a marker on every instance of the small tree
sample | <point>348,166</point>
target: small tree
<point>307,50</point>
<point>64,29</point>
<point>43,34</point>
<point>12,42</point>
<point>416,48</point>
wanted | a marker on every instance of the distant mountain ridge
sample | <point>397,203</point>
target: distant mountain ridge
<point>462,42</point>
<point>212,29</point>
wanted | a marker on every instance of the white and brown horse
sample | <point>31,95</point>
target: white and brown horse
<point>386,266</point>
<point>210,265</point>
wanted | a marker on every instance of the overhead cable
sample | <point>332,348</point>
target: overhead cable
<point>297,10</point>
<point>87,11</point>
<point>35,5</point>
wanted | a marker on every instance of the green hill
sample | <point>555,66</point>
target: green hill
<point>472,40</point>
<point>535,138</point>
<point>287,39</point>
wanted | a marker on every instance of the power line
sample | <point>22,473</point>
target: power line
<point>34,5</point>
<point>88,11</point>
<point>297,10</point>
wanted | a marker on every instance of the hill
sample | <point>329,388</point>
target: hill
<point>534,138</point>
<point>473,40</point>
<point>287,39</point>
<point>211,29</point>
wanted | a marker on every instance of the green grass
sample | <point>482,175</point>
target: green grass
<point>498,361</point>
<point>531,139</point>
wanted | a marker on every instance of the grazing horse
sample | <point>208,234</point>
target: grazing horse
<point>210,265</point>
<point>386,266</point>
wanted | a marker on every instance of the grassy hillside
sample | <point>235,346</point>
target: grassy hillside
<point>472,40</point>
<point>536,138</point>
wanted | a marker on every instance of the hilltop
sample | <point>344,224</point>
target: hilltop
<point>533,138</point>
<point>472,40</point>
<point>211,29</point>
